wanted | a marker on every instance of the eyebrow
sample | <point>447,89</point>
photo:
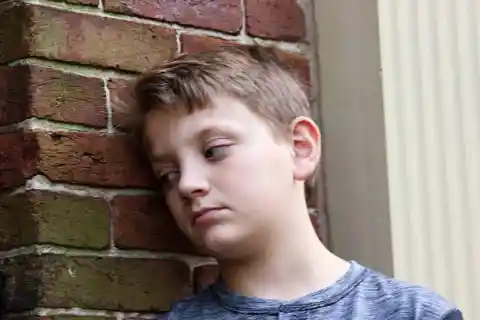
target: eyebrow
<point>209,130</point>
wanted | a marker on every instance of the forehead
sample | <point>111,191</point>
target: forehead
<point>166,130</point>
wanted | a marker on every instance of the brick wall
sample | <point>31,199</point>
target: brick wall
<point>81,235</point>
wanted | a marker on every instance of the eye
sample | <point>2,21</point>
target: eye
<point>216,153</point>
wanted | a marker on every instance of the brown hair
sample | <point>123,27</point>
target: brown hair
<point>255,75</point>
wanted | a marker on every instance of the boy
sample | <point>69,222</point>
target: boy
<point>231,143</point>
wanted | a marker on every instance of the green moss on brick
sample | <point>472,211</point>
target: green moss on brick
<point>62,317</point>
<point>72,220</point>
<point>53,218</point>
<point>23,282</point>
<point>143,285</point>
<point>17,226</point>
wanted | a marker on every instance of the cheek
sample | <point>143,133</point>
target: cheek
<point>255,170</point>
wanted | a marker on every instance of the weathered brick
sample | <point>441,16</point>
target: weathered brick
<point>275,19</point>
<point>45,217</point>
<point>14,94</point>
<point>58,281</point>
<point>58,317</point>
<point>205,275</point>
<point>7,5</point>
<point>37,91</point>
<point>298,63</point>
<point>85,38</point>
<point>191,43</point>
<point>90,158</point>
<point>74,157</point>
<point>222,15</point>
<point>13,35</point>
<point>64,317</point>
<point>120,98</point>
<point>86,2</point>
<point>67,97</point>
<point>144,222</point>
<point>11,163</point>
<point>17,158</point>
<point>22,282</point>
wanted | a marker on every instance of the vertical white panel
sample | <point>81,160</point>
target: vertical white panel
<point>430,51</point>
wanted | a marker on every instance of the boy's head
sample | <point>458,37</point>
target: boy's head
<point>230,140</point>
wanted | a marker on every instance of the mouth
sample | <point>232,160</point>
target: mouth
<point>204,215</point>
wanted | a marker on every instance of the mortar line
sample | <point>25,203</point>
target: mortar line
<point>243,30</point>
<point>40,182</point>
<point>52,249</point>
<point>108,106</point>
<point>42,311</point>
<point>75,67</point>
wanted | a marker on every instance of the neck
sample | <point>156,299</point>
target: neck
<point>291,264</point>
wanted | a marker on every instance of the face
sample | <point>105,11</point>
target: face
<point>227,178</point>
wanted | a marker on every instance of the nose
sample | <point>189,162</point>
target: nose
<point>193,182</point>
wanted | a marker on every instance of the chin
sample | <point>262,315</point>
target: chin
<point>222,242</point>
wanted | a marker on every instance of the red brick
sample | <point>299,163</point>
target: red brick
<point>6,5</point>
<point>298,63</point>
<point>14,89</point>
<point>222,15</point>
<point>14,43</point>
<point>85,2</point>
<point>91,158</point>
<point>275,19</point>
<point>192,43</point>
<point>144,222</point>
<point>37,91</point>
<point>204,276</point>
<point>120,100</point>
<point>67,97</point>
<point>17,158</point>
<point>101,283</point>
<point>72,157</point>
<point>85,38</point>
<point>61,317</point>
<point>11,153</point>
<point>23,317</point>
<point>43,217</point>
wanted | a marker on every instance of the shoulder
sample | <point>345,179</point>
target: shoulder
<point>403,300</point>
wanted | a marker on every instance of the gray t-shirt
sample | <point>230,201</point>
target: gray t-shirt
<point>360,294</point>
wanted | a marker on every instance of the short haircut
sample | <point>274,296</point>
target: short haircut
<point>255,75</point>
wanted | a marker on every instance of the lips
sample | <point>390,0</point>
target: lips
<point>202,214</point>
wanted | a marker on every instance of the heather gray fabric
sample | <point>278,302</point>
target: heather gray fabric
<point>360,294</point>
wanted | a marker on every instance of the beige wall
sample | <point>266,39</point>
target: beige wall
<point>401,120</point>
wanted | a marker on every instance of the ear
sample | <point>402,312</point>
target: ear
<point>306,147</point>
